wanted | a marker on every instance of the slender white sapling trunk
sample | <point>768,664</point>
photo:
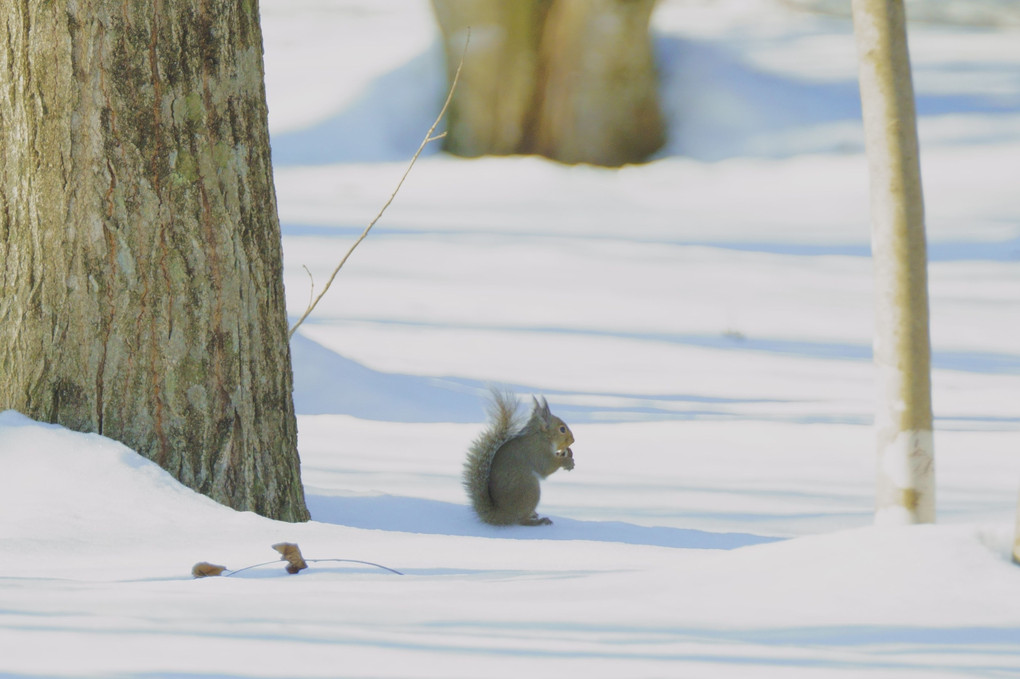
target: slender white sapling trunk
<point>1016,538</point>
<point>903,420</point>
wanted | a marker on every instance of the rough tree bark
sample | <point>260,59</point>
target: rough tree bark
<point>573,80</point>
<point>903,421</point>
<point>141,292</point>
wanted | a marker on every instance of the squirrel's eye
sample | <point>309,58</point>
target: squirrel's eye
<point>563,430</point>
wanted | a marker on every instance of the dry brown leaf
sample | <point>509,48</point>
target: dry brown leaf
<point>205,569</point>
<point>292,555</point>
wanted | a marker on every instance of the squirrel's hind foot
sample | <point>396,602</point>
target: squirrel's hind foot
<point>536,520</point>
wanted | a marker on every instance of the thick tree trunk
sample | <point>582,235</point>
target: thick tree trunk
<point>906,466</point>
<point>491,109</point>
<point>598,92</point>
<point>141,294</point>
<point>573,80</point>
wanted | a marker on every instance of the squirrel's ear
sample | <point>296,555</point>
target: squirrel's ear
<point>535,405</point>
<point>542,408</point>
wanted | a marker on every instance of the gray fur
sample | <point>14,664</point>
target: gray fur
<point>506,461</point>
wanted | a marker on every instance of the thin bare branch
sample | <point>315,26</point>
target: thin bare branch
<point>311,284</point>
<point>430,136</point>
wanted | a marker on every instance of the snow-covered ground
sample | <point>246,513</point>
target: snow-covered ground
<point>703,322</point>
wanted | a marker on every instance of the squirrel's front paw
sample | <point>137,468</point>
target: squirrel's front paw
<point>567,453</point>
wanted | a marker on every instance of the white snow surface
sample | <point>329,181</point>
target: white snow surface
<point>703,322</point>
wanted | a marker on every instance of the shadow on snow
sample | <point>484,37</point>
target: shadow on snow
<point>327,383</point>
<point>416,515</point>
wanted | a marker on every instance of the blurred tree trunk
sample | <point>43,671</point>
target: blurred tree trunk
<point>141,294</point>
<point>903,421</point>
<point>573,80</point>
<point>1016,538</point>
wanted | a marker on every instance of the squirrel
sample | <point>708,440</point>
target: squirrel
<point>506,461</point>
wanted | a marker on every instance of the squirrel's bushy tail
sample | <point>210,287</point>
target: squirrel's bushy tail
<point>503,425</point>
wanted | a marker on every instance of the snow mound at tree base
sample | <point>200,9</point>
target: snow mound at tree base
<point>84,500</point>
